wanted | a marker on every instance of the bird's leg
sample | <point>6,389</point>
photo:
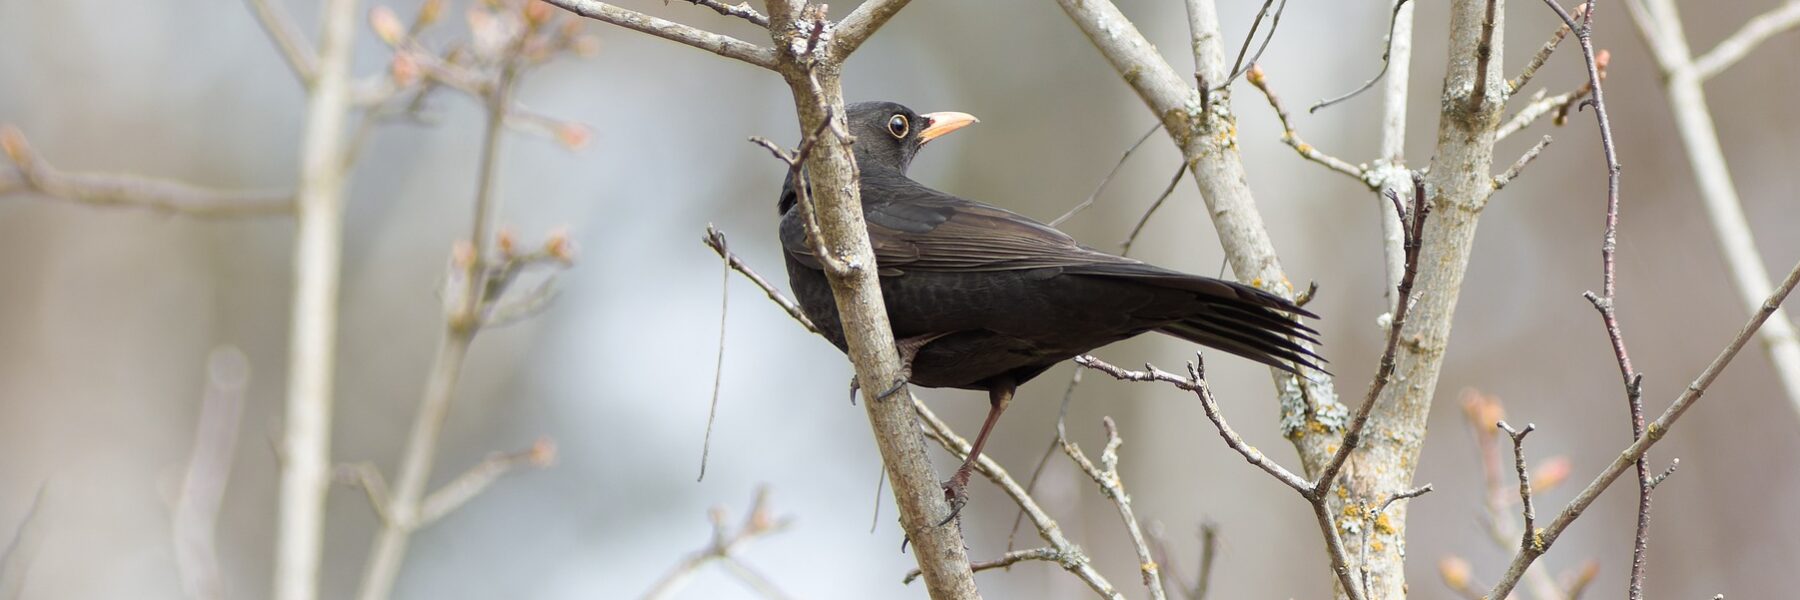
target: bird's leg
<point>956,489</point>
<point>908,349</point>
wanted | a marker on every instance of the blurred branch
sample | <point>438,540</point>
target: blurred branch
<point>1067,554</point>
<point>1209,550</point>
<point>196,513</point>
<point>476,293</point>
<point>1682,79</point>
<point>299,56</point>
<point>22,549</point>
<point>759,522</point>
<point>306,441</point>
<point>722,45</point>
<point>34,174</point>
<point>1113,487</point>
<point>1653,433</point>
<point>1755,31</point>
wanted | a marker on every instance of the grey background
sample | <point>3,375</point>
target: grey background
<point>106,316</point>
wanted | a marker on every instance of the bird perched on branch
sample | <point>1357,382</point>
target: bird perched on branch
<point>983,298</point>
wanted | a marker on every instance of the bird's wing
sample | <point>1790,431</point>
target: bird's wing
<point>913,227</point>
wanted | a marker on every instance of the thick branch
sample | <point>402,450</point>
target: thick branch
<point>312,345</point>
<point>862,23</point>
<point>722,45</point>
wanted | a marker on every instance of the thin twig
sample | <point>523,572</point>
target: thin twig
<point>715,239</point>
<point>1543,55</point>
<point>1529,538</point>
<point>1104,181</point>
<point>1539,106</point>
<point>741,10</point>
<point>1070,556</point>
<point>294,50</point>
<point>1292,138</point>
<point>758,523</point>
<point>1125,246</point>
<point>1653,433</point>
<point>196,511</point>
<point>38,175</point>
<point>478,478</point>
<point>1008,559</point>
<point>713,236</point>
<point>1484,52</point>
<point>1386,56</point>
<point>722,45</point>
<point>1518,166</point>
<point>1106,475</point>
<point>1237,66</point>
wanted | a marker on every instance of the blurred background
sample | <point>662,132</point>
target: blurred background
<point>107,316</point>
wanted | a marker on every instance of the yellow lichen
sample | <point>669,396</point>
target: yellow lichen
<point>1383,525</point>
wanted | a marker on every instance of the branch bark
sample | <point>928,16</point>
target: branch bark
<point>722,45</point>
<point>306,442</point>
<point>1683,76</point>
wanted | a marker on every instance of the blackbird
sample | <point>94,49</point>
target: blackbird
<point>982,298</point>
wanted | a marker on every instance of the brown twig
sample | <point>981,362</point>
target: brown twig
<point>1543,55</point>
<point>1125,246</point>
<point>1386,57</point>
<point>715,239</point>
<point>1008,559</point>
<point>1653,432</point>
<point>1529,537</point>
<point>759,522</point>
<point>1238,64</point>
<point>1484,52</point>
<point>1292,138</point>
<point>38,175</point>
<point>1104,181</point>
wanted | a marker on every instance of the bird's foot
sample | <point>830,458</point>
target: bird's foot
<point>956,494</point>
<point>888,393</point>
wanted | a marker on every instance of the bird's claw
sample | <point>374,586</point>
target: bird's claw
<point>894,389</point>
<point>956,494</point>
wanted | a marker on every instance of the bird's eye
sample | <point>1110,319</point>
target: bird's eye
<point>898,126</point>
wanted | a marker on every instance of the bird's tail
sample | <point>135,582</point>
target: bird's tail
<point>1233,317</point>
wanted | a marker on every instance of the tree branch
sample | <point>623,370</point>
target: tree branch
<point>1113,487</point>
<point>196,513</point>
<point>1653,433</point>
<point>861,23</point>
<point>312,349</point>
<point>37,175</point>
<point>1755,31</point>
<point>1289,136</point>
<point>759,522</point>
<point>722,45</point>
<point>287,37</point>
<point>1662,30</point>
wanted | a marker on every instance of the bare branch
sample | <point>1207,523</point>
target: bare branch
<point>862,23</point>
<point>1106,180</point>
<point>1069,555</point>
<point>741,10</point>
<point>1113,487</point>
<point>1653,433</point>
<point>1292,138</point>
<point>722,45</point>
<point>1125,246</point>
<point>1543,55</point>
<point>299,56</point>
<point>1394,21</point>
<point>478,478</point>
<point>759,522</point>
<point>1006,560</point>
<point>1756,31</point>
<point>1237,65</point>
<point>1518,166</point>
<point>715,239</point>
<point>1196,382</point>
<point>1529,538</point>
<point>37,175</point>
<point>196,511</point>
<point>312,346</point>
<point>1662,31</point>
<point>1539,106</point>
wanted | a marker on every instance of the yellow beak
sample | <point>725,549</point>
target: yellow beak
<point>940,123</point>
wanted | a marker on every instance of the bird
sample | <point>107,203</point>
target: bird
<point>982,298</point>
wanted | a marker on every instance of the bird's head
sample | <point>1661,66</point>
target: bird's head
<point>888,134</point>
